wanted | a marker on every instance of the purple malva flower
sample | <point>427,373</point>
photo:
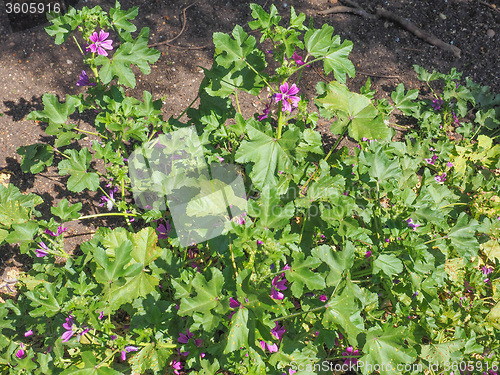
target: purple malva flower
<point>28,333</point>
<point>265,114</point>
<point>44,250</point>
<point>176,365</point>
<point>164,230</point>
<point>60,230</point>
<point>83,80</point>
<point>100,44</point>
<point>68,326</point>
<point>298,59</point>
<point>21,353</point>
<point>437,103</point>
<point>128,349</point>
<point>278,284</point>
<point>287,96</point>
<point>278,331</point>
<point>449,164</point>
<point>368,254</point>
<point>486,270</point>
<point>109,202</point>
<point>323,298</point>
<point>183,354</point>
<point>349,353</point>
<point>432,160</point>
<point>273,348</point>
<point>184,338</point>
<point>440,178</point>
<point>233,303</point>
<point>412,224</point>
<point>101,314</point>
<point>290,372</point>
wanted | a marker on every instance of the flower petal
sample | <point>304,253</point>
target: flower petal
<point>284,88</point>
<point>94,37</point>
<point>103,35</point>
<point>293,90</point>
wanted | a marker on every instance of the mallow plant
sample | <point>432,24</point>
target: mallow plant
<point>379,259</point>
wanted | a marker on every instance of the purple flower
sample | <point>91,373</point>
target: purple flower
<point>44,250</point>
<point>184,338</point>
<point>368,254</point>
<point>164,230</point>
<point>183,354</point>
<point>83,80</point>
<point>440,178</point>
<point>298,59</point>
<point>273,348</point>
<point>128,349</point>
<point>486,270</point>
<point>412,224</point>
<point>100,44</point>
<point>278,284</point>
<point>101,314</point>
<point>113,337</point>
<point>60,230</point>
<point>68,326</point>
<point>436,104</point>
<point>449,164</point>
<point>290,372</point>
<point>109,202</point>
<point>265,114</point>
<point>349,353</point>
<point>176,365</point>
<point>432,160</point>
<point>233,303</point>
<point>221,159</point>
<point>455,118</point>
<point>278,331</point>
<point>28,333</point>
<point>287,96</point>
<point>21,353</point>
<point>323,298</point>
<point>198,342</point>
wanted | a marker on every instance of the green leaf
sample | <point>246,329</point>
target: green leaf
<point>207,294</point>
<point>136,53</point>
<point>91,368</point>
<point>35,157</point>
<point>77,166</point>
<point>55,113</point>
<point>353,110</point>
<point>151,357</point>
<point>22,232</point>
<point>322,43</point>
<point>338,261</point>
<point>491,249</point>
<point>145,248</point>
<point>386,346</point>
<point>45,300</point>
<point>235,50</point>
<point>268,210</point>
<point>382,168</point>
<point>264,20</point>
<point>111,271</point>
<point>388,264</point>
<point>120,18</point>
<point>343,312</point>
<point>424,75</point>
<point>15,207</point>
<point>441,353</point>
<point>65,211</point>
<point>268,154</point>
<point>237,336</point>
<point>300,274</point>
<point>462,236</point>
<point>403,101</point>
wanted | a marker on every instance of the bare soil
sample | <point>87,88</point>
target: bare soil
<point>31,65</point>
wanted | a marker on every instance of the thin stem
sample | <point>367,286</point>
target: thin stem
<point>60,153</point>
<point>435,239</point>
<point>189,106</point>
<point>454,204</point>
<point>237,101</point>
<point>78,44</point>
<point>308,63</point>
<point>101,215</point>
<point>256,72</point>
<point>107,358</point>
<point>280,119</point>
<point>92,133</point>
<point>232,255</point>
<point>300,313</point>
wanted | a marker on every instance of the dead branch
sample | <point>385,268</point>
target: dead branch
<point>408,25</point>
<point>422,34</point>
<point>489,5</point>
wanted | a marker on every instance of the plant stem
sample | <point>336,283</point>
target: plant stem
<point>189,106</point>
<point>300,313</point>
<point>454,204</point>
<point>60,153</point>
<point>101,215</point>
<point>280,120</point>
<point>232,255</point>
<point>92,133</point>
<point>237,101</point>
<point>78,44</point>
<point>256,72</point>
<point>435,239</point>
<point>107,358</point>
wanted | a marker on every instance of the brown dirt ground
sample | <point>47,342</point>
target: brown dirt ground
<point>31,65</point>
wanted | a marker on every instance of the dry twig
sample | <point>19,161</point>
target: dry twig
<point>489,5</point>
<point>408,25</point>
<point>182,30</point>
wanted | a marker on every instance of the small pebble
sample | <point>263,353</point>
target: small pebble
<point>490,33</point>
